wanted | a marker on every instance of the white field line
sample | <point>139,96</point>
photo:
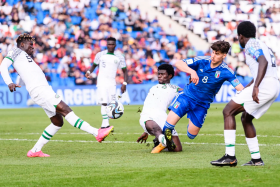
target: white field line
<point>180,134</point>
<point>121,142</point>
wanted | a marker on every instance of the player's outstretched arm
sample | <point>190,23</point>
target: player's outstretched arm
<point>239,87</point>
<point>5,74</point>
<point>143,138</point>
<point>88,73</point>
<point>123,88</point>
<point>182,66</point>
<point>261,72</point>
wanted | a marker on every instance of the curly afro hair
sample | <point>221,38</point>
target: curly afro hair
<point>246,29</point>
<point>169,69</point>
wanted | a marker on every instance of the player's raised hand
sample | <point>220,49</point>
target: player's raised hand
<point>194,77</point>
<point>13,86</point>
<point>143,138</point>
<point>255,94</point>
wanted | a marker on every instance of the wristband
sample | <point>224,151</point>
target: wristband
<point>124,83</point>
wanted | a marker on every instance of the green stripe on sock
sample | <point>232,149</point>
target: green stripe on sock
<point>81,124</point>
<point>104,115</point>
<point>105,118</point>
<point>230,145</point>
<point>45,137</point>
<point>77,122</point>
<point>255,152</point>
<point>47,133</point>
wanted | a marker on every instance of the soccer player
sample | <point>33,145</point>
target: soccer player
<point>109,61</point>
<point>254,100</point>
<point>42,94</point>
<point>207,75</point>
<point>154,115</point>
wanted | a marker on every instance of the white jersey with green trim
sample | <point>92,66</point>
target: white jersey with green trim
<point>108,66</point>
<point>31,74</point>
<point>159,98</point>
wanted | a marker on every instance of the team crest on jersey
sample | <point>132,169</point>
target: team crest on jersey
<point>217,74</point>
<point>176,105</point>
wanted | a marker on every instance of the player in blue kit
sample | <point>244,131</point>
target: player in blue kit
<point>207,76</point>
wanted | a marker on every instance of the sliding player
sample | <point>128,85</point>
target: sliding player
<point>156,103</point>
<point>207,75</point>
<point>42,94</point>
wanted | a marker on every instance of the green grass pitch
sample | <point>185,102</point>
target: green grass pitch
<point>78,160</point>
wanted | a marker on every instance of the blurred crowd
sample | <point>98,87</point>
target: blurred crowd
<point>69,34</point>
<point>218,19</point>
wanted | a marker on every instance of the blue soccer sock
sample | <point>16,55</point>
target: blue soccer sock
<point>168,126</point>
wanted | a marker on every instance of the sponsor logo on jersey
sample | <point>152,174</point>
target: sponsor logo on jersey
<point>217,74</point>
<point>176,105</point>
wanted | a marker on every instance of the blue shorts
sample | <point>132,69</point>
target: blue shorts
<point>182,105</point>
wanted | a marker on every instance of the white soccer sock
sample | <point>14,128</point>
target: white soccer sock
<point>162,140</point>
<point>80,124</point>
<point>48,133</point>
<point>105,121</point>
<point>254,149</point>
<point>230,142</point>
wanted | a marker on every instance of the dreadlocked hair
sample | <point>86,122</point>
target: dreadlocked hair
<point>23,38</point>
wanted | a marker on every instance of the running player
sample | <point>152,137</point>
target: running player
<point>42,94</point>
<point>207,75</point>
<point>109,61</point>
<point>254,100</point>
<point>154,115</point>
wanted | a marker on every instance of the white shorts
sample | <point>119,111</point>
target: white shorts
<point>45,97</point>
<point>159,119</point>
<point>106,94</point>
<point>268,92</point>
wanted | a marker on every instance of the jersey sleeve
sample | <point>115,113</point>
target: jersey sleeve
<point>13,54</point>
<point>233,79</point>
<point>97,58</point>
<point>122,63</point>
<point>191,63</point>
<point>254,49</point>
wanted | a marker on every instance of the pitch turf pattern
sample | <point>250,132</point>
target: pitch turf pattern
<point>78,160</point>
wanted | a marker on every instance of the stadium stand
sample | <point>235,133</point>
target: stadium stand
<point>69,35</point>
<point>218,19</point>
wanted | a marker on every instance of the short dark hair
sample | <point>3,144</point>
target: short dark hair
<point>169,69</point>
<point>246,29</point>
<point>222,46</point>
<point>111,39</point>
<point>23,38</point>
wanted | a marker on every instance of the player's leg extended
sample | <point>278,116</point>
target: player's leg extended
<point>252,140</point>
<point>70,116</point>
<point>49,132</point>
<point>105,118</point>
<point>154,129</point>
<point>229,112</point>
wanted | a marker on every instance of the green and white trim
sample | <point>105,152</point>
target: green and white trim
<point>79,123</point>
<point>46,135</point>
<point>105,116</point>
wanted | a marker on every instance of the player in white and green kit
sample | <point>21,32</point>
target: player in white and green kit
<point>108,61</point>
<point>42,94</point>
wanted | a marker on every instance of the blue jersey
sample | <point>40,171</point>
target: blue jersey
<point>210,79</point>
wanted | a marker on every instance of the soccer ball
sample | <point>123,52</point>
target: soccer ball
<point>115,110</point>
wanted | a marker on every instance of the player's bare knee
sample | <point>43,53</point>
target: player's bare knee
<point>178,149</point>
